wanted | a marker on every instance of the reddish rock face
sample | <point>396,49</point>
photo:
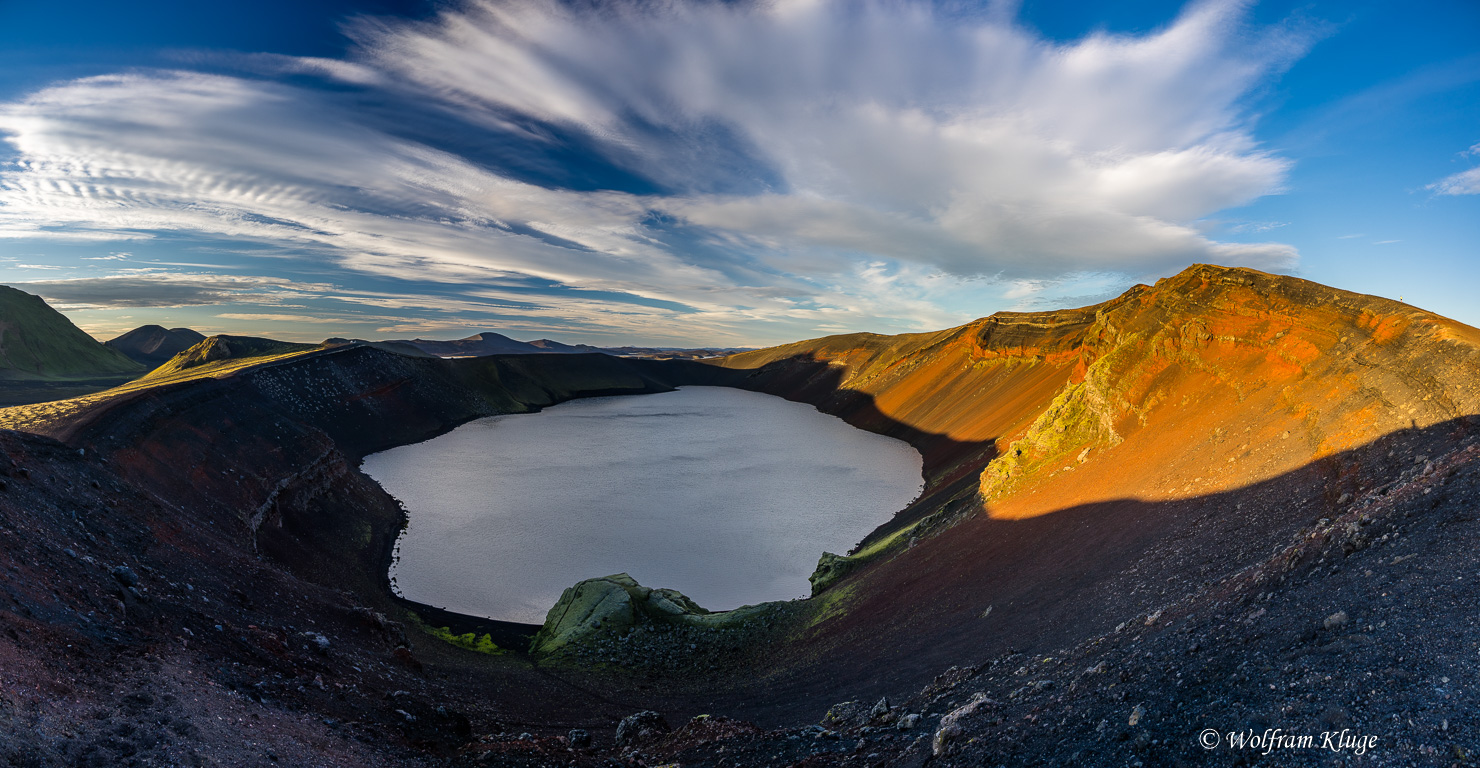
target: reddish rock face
<point>1209,380</point>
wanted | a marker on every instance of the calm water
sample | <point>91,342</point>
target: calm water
<point>725,495</point>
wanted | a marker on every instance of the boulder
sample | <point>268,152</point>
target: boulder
<point>950,726</point>
<point>592,606</point>
<point>846,714</point>
<point>641,727</point>
<point>881,713</point>
<point>125,576</point>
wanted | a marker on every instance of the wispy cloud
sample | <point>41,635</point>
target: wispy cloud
<point>150,288</point>
<point>1462,183</point>
<point>257,316</point>
<point>771,168</point>
<point>1466,183</point>
<point>1257,226</point>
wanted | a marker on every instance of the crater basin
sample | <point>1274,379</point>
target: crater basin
<point>725,495</point>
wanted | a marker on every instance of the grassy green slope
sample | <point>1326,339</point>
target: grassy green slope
<point>38,342</point>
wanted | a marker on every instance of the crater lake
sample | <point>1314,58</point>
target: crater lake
<point>725,495</point>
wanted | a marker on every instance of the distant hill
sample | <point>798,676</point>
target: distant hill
<point>40,343</point>
<point>153,344</point>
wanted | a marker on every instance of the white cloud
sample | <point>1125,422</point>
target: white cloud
<point>842,163</point>
<point>155,288</point>
<point>1463,183</point>
<point>1257,226</point>
<point>291,318</point>
<point>895,129</point>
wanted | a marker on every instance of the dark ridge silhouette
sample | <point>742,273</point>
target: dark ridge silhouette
<point>477,345</point>
<point>151,345</point>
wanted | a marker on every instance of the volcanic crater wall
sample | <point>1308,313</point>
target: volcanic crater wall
<point>1094,461</point>
<point>275,449</point>
<point>1210,351</point>
<point>1210,380</point>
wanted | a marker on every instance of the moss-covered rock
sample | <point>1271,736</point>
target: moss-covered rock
<point>830,568</point>
<point>588,608</point>
<point>598,609</point>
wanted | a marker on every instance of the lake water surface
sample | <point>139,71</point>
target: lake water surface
<point>725,495</point>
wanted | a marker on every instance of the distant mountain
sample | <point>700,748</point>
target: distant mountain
<point>489,343</point>
<point>39,343</point>
<point>399,347</point>
<point>675,353</point>
<point>476,345</point>
<point>153,344</point>
<point>555,346</point>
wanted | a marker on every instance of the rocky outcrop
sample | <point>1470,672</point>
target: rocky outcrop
<point>611,606</point>
<point>591,607</point>
<point>830,568</point>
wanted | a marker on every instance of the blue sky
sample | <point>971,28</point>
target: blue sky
<point>721,173</point>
